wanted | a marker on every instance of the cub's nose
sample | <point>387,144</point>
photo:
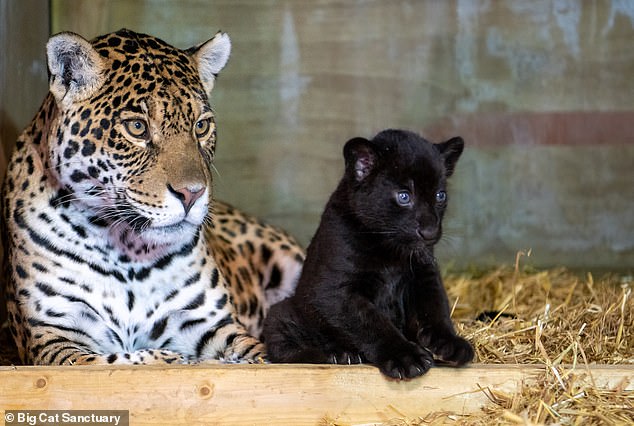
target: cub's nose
<point>187,195</point>
<point>428,233</point>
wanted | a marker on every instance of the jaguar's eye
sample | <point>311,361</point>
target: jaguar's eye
<point>136,128</point>
<point>203,128</point>
<point>403,198</point>
<point>441,196</point>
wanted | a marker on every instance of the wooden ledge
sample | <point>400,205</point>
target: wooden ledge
<point>269,394</point>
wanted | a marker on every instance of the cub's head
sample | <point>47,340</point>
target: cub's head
<point>135,135</point>
<point>397,188</point>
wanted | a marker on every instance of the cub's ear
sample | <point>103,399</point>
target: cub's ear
<point>211,57</point>
<point>450,151</point>
<point>76,69</point>
<point>360,157</point>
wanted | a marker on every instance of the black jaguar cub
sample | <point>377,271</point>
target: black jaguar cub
<point>370,290</point>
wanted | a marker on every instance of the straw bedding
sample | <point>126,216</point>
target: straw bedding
<point>554,318</point>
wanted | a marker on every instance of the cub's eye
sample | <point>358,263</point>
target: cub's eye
<point>441,196</point>
<point>203,128</point>
<point>136,128</point>
<point>404,198</point>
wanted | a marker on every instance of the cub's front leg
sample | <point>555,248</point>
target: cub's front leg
<point>430,322</point>
<point>377,339</point>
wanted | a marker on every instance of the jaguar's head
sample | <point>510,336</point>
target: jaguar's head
<point>134,137</point>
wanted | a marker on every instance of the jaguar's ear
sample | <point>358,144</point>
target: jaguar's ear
<point>211,57</point>
<point>75,68</point>
<point>360,158</point>
<point>450,151</point>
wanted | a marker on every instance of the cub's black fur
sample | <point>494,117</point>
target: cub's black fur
<point>370,290</point>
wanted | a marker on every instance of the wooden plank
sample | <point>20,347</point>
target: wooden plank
<point>267,394</point>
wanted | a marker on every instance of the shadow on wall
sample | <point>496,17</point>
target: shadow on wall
<point>8,132</point>
<point>8,136</point>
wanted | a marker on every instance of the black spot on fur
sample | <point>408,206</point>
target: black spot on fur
<point>61,199</point>
<point>158,328</point>
<point>78,176</point>
<point>191,280</point>
<point>196,302</point>
<point>39,267</point>
<point>79,230</point>
<point>220,303</point>
<point>276,278</point>
<point>130,300</point>
<point>266,254</point>
<point>21,272</point>
<point>89,147</point>
<point>93,172</point>
<point>172,295</point>
<point>71,149</point>
<point>114,42</point>
<point>191,323</point>
<point>46,289</point>
<point>214,278</point>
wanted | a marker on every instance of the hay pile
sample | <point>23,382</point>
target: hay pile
<point>553,318</point>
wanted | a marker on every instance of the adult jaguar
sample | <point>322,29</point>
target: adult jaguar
<point>112,255</point>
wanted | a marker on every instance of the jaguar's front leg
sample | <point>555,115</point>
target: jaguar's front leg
<point>230,343</point>
<point>142,356</point>
<point>51,349</point>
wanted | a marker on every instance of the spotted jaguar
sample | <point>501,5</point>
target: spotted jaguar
<point>116,251</point>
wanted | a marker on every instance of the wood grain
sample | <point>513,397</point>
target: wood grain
<point>267,394</point>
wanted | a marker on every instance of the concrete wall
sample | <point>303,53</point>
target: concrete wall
<point>542,91</point>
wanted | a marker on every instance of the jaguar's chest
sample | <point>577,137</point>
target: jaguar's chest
<point>74,271</point>
<point>139,314</point>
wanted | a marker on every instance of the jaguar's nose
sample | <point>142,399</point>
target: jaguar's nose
<point>187,195</point>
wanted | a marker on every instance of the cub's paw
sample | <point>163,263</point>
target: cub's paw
<point>448,347</point>
<point>344,358</point>
<point>406,362</point>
